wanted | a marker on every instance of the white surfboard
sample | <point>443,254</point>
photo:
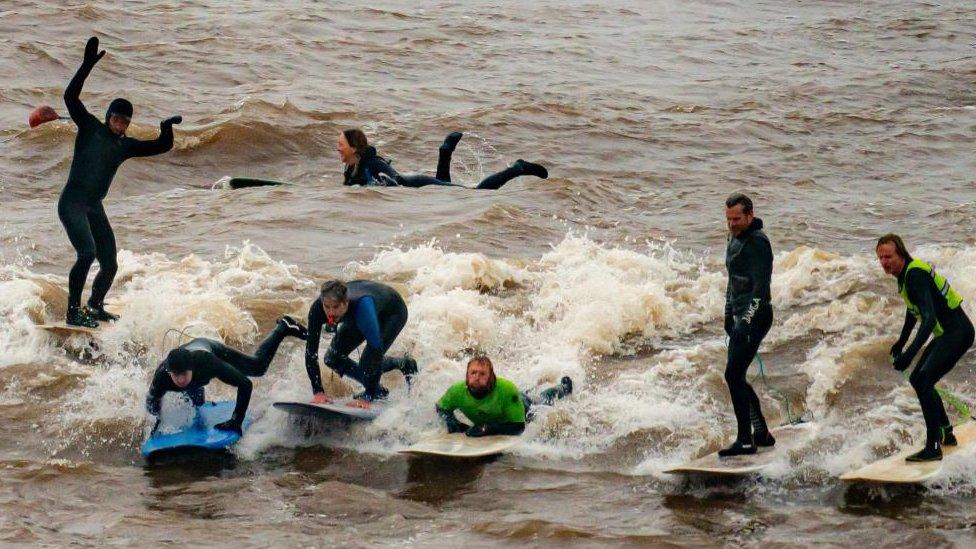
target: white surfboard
<point>787,438</point>
<point>896,470</point>
<point>331,410</point>
<point>459,445</point>
<point>66,330</point>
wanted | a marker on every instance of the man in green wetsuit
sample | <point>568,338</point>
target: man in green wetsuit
<point>494,405</point>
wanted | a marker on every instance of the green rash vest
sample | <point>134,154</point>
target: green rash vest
<point>502,405</point>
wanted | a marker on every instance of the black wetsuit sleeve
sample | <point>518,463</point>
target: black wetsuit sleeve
<point>229,375</point>
<point>760,270</point>
<point>454,425</point>
<point>135,148</point>
<point>72,95</point>
<point>379,166</point>
<point>906,329</point>
<point>160,385</point>
<point>917,283</point>
<point>316,318</point>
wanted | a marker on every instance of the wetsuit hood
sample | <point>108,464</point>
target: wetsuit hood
<point>178,361</point>
<point>756,225</point>
<point>119,106</point>
<point>368,154</point>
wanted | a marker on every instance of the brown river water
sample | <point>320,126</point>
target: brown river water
<point>844,120</point>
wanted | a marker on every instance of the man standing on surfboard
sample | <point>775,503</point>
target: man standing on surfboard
<point>932,301</point>
<point>748,317</point>
<point>100,148</point>
<point>190,367</point>
<point>494,405</point>
<point>359,311</point>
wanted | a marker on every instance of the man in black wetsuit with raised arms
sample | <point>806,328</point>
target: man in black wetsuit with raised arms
<point>190,367</point>
<point>929,299</point>
<point>748,317</point>
<point>100,148</point>
<point>359,311</point>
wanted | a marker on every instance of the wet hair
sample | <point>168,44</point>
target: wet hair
<point>739,199</point>
<point>892,238</point>
<point>178,361</point>
<point>481,359</point>
<point>356,139</point>
<point>334,290</point>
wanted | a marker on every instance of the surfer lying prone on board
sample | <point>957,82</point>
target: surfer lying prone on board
<point>190,367</point>
<point>365,167</point>
<point>359,311</point>
<point>494,405</point>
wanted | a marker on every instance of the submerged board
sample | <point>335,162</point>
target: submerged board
<point>459,445</point>
<point>247,182</point>
<point>787,438</point>
<point>198,433</point>
<point>896,470</point>
<point>331,410</point>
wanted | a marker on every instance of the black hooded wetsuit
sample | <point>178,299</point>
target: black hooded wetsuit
<point>748,317</point>
<point>367,171</point>
<point>942,354</point>
<point>376,315</point>
<point>98,154</point>
<point>211,359</point>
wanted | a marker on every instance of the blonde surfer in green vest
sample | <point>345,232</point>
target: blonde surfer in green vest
<point>937,309</point>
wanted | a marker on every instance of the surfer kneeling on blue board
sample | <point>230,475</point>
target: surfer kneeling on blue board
<point>100,148</point>
<point>190,367</point>
<point>493,404</point>
<point>365,167</point>
<point>748,317</point>
<point>357,311</point>
<point>932,301</point>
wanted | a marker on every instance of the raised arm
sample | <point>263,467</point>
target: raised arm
<point>72,94</point>
<point>163,143</point>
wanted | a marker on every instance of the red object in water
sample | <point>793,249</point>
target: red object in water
<point>41,115</point>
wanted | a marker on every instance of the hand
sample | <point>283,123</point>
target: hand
<point>92,55</point>
<point>740,331</point>
<point>896,349</point>
<point>320,398</point>
<point>458,427</point>
<point>902,361</point>
<point>233,425</point>
<point>477,431</point>
<point>172,120</point>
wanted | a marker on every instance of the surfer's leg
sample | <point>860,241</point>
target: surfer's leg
<point>346,338</point>
<point>373,363</point>
<point>106,251</point>
<point>257,365</point>
<point>74,217</point>
<point>745,402</point>
<point>517,169</point>
<point>444,155</point>
<point>418,180</point>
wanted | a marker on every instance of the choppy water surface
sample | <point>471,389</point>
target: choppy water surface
<point>844,120</point>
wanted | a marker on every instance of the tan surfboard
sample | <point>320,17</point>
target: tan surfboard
<point>61,329</point>
<point>459,445</point>
<point>788,437</point>
<point>896,470</point>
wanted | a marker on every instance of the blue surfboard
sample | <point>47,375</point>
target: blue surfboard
<point>198,433</point>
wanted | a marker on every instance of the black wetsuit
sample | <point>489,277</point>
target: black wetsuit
<point>748,317</point>
<point>376,315</point>
<point>212,359</point>
<point>98,154</point>
<point>941,355</point>
<point>367,172</point>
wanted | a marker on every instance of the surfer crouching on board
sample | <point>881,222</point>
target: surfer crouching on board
<point>365,167</point>
<point>190,367</point>
<point>359,311</point>
<point>493,404</point>
<point>100,148</point>
<point>748,317</point>
<point>932,301</point>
